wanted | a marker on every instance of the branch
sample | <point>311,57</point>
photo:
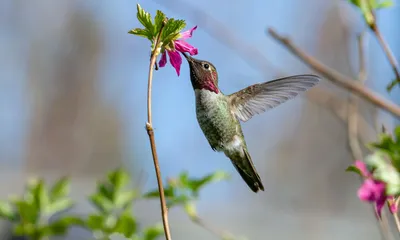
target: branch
<point>150,132</point>
<point>336,77</point>
<point>353,104</point>
<point>389,55</point>
<point>353,120</point>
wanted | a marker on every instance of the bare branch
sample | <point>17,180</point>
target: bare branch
<point>353,103</point>
<point>150,132</point>
<point>389,55</point>
<point>337,77</point>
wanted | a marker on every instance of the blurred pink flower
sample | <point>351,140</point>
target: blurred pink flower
<point>374,190</point>
<point>179,46</point>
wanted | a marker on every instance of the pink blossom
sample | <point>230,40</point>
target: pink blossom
<point>374,190</point>
<point>179,46</point>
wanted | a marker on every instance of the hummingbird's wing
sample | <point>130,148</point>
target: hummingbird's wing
<point>261,97</point>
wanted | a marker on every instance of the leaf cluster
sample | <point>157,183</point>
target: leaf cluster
<point>184,190</point>
<point>166,29</point>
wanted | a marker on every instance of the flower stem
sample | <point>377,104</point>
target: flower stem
<point>150,132</point>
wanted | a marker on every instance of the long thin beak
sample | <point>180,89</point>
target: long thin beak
<point>188,58</point>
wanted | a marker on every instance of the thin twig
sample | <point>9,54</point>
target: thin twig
<point>352,123</point>
<point>150,132</point>
<point>337,77</point>
<point>389,54</point>
<point>220,234</point>
<point>353,104</point>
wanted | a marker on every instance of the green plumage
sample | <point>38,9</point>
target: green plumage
<point>218,114</point>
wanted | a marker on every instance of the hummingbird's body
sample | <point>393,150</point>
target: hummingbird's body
<point>219,114</point>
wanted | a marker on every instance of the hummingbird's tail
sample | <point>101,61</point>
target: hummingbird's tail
<point>247,170</point>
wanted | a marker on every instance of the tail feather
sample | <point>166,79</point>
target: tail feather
<point>248,172</point>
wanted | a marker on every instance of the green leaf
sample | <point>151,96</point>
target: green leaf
<point>144,18</point>
<point>102,204</point>
<point>154,232</point>
<point>119,179</point>
<point>178,201</point>
<point>40,194</point>
<point>397,135</point>
<point>190,209</point>
<point>126,225</point>
<point>95,222</point>
<point>27,211</point>
<point>106,190</point>
<point>26,229</point>
<point>184,179</point>
<point>59,206</point>
<point>168,192</point>
<point>60,189</point>
<point>384,4</point>
<point>60,226</point>
<point>352,168</point>
<point>196,184</point>
<point>7,211</point>
<point>158,22</point>
<point>142,32</point>
<point>124,199</point>
<point>172,30</point>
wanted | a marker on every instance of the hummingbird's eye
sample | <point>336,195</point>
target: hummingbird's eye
<point>206,66</point>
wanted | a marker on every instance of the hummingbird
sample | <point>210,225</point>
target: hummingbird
<point>219,115</point>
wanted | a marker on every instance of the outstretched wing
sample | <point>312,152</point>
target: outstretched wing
<point>261,97</point>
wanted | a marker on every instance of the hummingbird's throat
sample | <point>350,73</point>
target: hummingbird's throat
<point>209,85</point>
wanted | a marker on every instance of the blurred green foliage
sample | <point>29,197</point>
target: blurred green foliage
<point>112,201</point>
<point>368,8</point>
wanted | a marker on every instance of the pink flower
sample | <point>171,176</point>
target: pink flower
<point>179,45</point>
<point>374,190</point>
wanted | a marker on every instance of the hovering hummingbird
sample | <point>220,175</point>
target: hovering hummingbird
<point>218,114</point>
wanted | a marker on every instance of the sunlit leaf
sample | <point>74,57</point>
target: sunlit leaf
<point>154,232</point>
<point>190,209</point>
<point>196,184</point>
<point>95,222</point>
<point>101,203</point>
<point>119,178</point>
<point>172,30</point>
<point>126,225</point>
<point>60,189</point>
<point>142,32</point>
<point>27,211</point>
<point>59,205</point>
<point>123,199</point>
<point>144,18</point>
<point>26,229</point>
<point>158,22</point>
<point>7,211</point>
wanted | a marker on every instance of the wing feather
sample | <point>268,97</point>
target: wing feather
<point>261,97</point>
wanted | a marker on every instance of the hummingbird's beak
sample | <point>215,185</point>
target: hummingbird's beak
<point>188,58</point>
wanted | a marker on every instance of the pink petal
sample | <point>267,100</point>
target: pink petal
<point>362,167</point>
<point>163,60</point>
<point>183,46</point>
<point>176,60</point>
<point>379,205</point>
<point>371,190</point>
<point>187,34</point>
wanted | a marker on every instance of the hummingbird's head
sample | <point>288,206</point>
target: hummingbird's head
<point>203,74</point>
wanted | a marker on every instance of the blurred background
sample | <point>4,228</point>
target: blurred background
<point>73,102</point>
